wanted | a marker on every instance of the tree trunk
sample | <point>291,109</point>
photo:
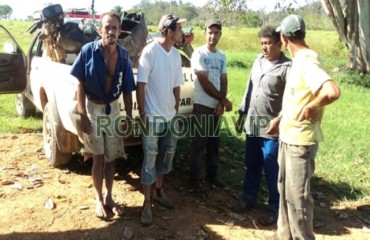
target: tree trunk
<point>351,20</point>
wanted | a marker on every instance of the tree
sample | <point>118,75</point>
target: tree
<point>5,11</point>
<point>251,19</point>
<point>351,20</point>
<point>227,10</point>
<point>118,9</point>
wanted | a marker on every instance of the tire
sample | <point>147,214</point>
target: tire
<point>24,106</point>
<point>54,156</point>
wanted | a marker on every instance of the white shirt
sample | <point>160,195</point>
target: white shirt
<point>214,63</point>
<point>162,72</point>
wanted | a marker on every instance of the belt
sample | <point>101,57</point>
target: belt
<point>101,101</point>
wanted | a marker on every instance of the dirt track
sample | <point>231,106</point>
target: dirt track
<point>27,182</point>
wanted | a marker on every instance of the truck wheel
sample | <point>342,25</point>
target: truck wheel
<point>24,106</point>
<point>53,155</point>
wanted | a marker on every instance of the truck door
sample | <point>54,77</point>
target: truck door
<point>13,77</point>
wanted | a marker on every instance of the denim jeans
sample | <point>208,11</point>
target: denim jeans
<point>261,154</point>
<point>159,146</point>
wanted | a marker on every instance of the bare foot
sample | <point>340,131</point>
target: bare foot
<point>99,210</point>
<point>110,204</point>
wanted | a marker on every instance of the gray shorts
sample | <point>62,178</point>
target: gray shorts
<point>103,138</point>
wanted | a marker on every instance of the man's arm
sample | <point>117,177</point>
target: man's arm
<point>328,93</point>
<point>81,98</point>
<point>225,102</point>
<point>140,98</point>
<point>127,100</point>
<point>244,106</point>
<point>208,87</point>
<point>176,93</point>
<point>81,108</point>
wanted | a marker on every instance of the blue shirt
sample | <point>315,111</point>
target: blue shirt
<point>89,68</point>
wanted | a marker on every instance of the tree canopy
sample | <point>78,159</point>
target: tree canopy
<point>350,18</point>
<point>5,11</point>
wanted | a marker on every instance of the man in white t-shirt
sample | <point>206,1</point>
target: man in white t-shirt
<point>158,91</point>
<point>210,89</point>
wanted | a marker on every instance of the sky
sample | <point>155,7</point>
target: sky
<point>24,8</point>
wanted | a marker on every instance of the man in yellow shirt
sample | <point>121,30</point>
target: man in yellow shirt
<point>308,89</point>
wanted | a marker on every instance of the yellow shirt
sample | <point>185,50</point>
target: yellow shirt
<point>304,80</point>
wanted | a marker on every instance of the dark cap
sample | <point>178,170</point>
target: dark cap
<point>292,24</point>
<point>169,21</point>
<point>213,22</point>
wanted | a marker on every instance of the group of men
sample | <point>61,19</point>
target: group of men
<point>289,95</point>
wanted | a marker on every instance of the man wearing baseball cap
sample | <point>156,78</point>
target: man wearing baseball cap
<point>210,89</point>
<point>308,89</point>
<point>215,23</point>
<point>158,91</point>
<point>170,21</point>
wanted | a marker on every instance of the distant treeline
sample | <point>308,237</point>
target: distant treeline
<point>233,14</point>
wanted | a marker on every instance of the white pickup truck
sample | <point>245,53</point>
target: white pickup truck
<point>48,86</point>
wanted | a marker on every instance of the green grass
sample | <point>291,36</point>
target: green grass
<point>10,122</point>
<point>343,160</point>
<point>19,30</point>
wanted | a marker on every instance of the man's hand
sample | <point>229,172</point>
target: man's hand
<point>273,127</point>
<point>219,110</point>
<point>142,121</point>
<point>85,124</point>
<point>310,114</point>
<point>227,104</point>
<point>126,125</point>
<point>240,123</point>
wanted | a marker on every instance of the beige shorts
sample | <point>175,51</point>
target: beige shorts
<point>103,139</point>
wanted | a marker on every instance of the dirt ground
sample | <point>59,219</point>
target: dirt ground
<point>29,188</point>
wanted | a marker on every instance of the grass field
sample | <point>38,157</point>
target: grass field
<point>343,160</point>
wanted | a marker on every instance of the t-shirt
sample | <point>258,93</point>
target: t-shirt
<point>89,67</point>
<point>162,72</point>
<point>304,80</point>
<point>214,63</point>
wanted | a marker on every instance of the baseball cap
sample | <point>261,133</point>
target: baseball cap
<point>291,24</point>
<point>169,21</point>
<point>213,22</point>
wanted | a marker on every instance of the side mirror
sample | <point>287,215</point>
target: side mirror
<point>9,47</point>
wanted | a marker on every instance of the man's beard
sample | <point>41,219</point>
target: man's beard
<point>111,40</point>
